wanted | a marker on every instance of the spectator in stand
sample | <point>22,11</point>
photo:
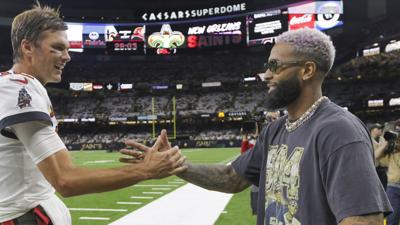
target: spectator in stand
<point>391,160</point>
<point>380,145</point>
<point>272,116</point>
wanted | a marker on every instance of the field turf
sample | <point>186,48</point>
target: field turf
<point>237,211</point>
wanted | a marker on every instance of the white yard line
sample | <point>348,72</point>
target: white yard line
<point>176,182</point>
<point>187,205</point>
<point>98,210</point>
<point>142,197</point>
<point>153,193</point>
<point>155,185</point>
<point>129,203</point>
<point>193,150</point>
<point>94,218</point>
<point>160,189</point>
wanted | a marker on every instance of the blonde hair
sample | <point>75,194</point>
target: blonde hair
<point>31,24</point>
<point>312,44</point>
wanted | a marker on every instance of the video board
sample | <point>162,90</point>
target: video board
<point>93,36</point>
<point>74,34</point>
<point>321,15</point>
<point>125,39</point>
<point>164,38</point>
<point>263,27</point>
<point>168,38</point>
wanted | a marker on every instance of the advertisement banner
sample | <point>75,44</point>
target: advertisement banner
<point>297,21</point>
<point>193,13</point>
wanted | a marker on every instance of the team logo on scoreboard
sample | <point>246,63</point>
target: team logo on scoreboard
<point>114,35</point>
<point>328,21</point>
<point>94,35</point>
<point>166,41</point>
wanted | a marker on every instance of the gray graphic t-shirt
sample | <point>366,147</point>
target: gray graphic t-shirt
<point>318,174</point>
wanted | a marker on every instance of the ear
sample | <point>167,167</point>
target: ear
<point>26,48</point>
<point>310,70</point>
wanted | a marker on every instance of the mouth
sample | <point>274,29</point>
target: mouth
<point>59,67</point>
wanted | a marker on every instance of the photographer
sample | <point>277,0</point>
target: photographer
<point>391,159</point>
<point>380,145</point>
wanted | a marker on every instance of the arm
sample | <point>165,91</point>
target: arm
<point>379,149</point>
<point>70,180</point>
<point>214,177</point>
<point>221,178</point>
<point>370,219</point>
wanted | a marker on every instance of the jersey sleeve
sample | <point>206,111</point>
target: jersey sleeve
<point>352,184</point>
<point>22,100</point>
<point>39,139</point>
<point>249,164</point>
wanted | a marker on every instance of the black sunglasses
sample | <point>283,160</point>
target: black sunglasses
<point>273,65</point>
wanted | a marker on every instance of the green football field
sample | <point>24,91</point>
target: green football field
<point>237,212</point>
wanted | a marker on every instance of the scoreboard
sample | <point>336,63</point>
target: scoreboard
<point>125,39</point>
<point>234,31</point>
<point>175,37</point>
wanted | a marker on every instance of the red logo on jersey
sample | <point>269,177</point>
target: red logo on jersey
<point>23,81</point>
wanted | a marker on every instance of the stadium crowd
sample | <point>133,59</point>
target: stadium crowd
<point>350,85</point>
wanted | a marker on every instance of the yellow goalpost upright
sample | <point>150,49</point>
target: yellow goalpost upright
<point>154,118</point>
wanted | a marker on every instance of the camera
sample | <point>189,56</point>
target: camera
<point>393,139</point>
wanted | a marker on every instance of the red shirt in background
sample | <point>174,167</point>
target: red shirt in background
<point>246,145</point>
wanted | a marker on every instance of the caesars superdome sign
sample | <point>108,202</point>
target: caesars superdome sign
<point>194,13</point>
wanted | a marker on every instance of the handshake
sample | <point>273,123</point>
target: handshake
<point>159,161</point>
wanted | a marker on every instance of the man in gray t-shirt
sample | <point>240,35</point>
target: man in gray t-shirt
<point>314,166</point>
<point>320,173</point>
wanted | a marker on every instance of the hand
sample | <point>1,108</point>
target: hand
<point>162,144</point>
<point>136,156</point>
<point>164,164</point>
<point>158,163</point>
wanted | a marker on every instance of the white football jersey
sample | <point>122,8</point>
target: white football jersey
<point>22,185</point>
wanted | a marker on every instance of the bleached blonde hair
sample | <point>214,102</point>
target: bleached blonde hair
<point>311,44</point>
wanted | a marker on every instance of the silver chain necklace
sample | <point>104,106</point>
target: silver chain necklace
<point>291,126</point>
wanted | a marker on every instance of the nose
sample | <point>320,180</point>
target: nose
<point>65,56</point>
<point>267,75</point>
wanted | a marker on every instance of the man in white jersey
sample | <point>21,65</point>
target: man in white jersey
<point>34,162</point>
